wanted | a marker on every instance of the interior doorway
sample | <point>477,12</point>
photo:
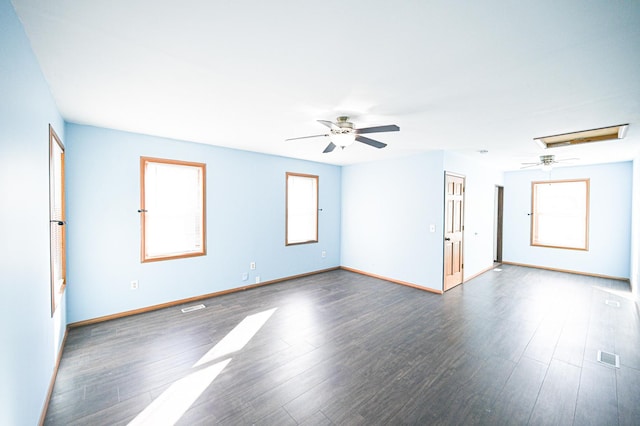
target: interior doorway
<point>497,224</point>
<point>453,230</point>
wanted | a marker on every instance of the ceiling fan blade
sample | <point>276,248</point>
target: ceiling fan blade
<point>329,148</point>
<point>379,129</point>
<point>305,137</point>
<point>328,124</point>
<point>530,165</point>
<point>370,142</point>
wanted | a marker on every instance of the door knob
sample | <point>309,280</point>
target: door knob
<point>447,239</point>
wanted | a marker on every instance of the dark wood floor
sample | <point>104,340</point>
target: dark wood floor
<point>516,346</point>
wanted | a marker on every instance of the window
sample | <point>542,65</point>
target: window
<point>172,209</point>
<point>302,209</point>
<point>57,222</point>
<point>560,211</point>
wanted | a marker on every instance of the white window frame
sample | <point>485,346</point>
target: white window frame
<point>172,209</point>
<point>559,212</point>
<point>301,212</point>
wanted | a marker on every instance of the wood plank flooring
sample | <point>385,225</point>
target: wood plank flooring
<point>516,346</point>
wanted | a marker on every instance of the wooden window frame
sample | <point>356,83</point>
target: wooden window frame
<point>317,201</point>
<point>57,290</point>
<point>534,219</point>
<point>144,258</point>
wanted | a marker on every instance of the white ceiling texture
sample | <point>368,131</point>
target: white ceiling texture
<point>454,75</point>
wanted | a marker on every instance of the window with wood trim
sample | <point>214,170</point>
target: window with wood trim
<point>57,219</point>
<point>560,214</point>
<point>172,209</point>
<point>302,209</point>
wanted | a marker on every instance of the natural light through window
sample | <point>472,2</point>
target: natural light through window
<point>560,214</point>
<point>172,209</point>
<point>170,406</point>
<point>179,397</point>
<point>302,209</point>
<point>237,338</point>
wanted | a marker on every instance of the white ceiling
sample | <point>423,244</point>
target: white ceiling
<point>247,74</point>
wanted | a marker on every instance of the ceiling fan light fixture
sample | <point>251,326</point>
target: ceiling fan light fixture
<point>342,139</point>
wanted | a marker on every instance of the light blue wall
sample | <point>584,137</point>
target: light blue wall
<point>479,208</point>
<point>635,230</point>
<point>245,222</point>
<point>388,207</point>
<point>30,337</point>
<point>609,220</point>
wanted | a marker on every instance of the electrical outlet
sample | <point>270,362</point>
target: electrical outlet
<point>252,265</point>
<point>134,285</point>
<point>258,279</point>
<point>324,254</point>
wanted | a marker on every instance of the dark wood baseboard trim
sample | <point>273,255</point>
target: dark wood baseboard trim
<point>192,299</point>
<point>54,375</point>
<point>477,274</point>
<point>419,287</point>
<point>568,271</point>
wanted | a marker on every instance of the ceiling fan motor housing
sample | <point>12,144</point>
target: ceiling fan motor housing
<point>345,126</point>
<point>547,159</point>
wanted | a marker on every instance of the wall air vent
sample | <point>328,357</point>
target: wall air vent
<point>585,136</point>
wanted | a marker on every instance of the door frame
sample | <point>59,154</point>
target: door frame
<point>444,227</point>
<point>498,224</point>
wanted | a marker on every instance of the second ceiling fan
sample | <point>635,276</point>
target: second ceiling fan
<point>342,133</point>
<point>546,161</point>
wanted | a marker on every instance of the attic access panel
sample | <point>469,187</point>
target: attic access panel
<point>585,136</point>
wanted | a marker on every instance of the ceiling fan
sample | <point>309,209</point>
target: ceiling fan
<point>342,133</point>
<point>546,161</point>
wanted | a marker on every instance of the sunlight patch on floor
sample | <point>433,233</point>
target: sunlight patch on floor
<point>625,294</point>
<point>237,338</point>
<point>175,401</point>
<point>171,405</point>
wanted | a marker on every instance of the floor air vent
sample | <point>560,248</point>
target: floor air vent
<point>613,303</point>
<point>192,308</point>
<point>608,358</point>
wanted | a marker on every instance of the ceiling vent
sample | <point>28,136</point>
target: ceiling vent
<point>585,136</point>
